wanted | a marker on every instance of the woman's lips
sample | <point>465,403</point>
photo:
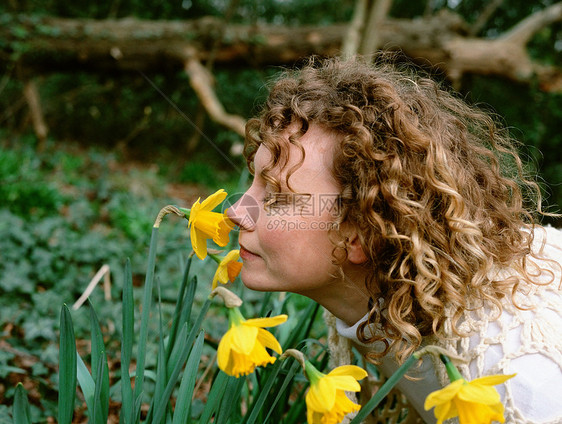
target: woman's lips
<point>245,254</point>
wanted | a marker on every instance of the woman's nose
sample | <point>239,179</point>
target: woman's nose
<point>245,212</point>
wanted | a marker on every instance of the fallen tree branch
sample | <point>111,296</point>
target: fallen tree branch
<point>201,82</point>
<point>160,46</point>
<point>524,30</point>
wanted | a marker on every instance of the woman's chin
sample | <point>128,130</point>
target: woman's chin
<point>254,285</point>
<point>253,282</point>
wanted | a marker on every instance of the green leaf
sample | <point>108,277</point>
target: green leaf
<point>127,410</point>
<point>182,412</point>
<point>302,331</point>
<point>384,390</point>
<point>281,391</point>
<point>67,368</point>
<point>188,302</point>
<point>265,391</point>
<point>21,412</point>
<point>230,398</point>
<point>99,357</point>
<point>177,350</point>
<point>86,384</point>
<point>146,306</point>
<point>215,395</point>
<point>180,305</point>
<point>197,324</point>
<point>98,412</point>
<point>159,399</point>
<point>185,349</point>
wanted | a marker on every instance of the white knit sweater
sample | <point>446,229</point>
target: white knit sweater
<point>526,342</point>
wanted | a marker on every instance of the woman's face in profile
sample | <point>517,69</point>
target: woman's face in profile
<point>285,242</point>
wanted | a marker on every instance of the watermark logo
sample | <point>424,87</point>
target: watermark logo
<point>283,210</point>
<point>246,211</point>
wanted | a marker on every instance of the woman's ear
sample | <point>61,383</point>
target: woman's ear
<point>355,253</point>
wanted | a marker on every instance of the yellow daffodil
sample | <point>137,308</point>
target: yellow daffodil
<point>205,224</point>
<point>243,347</point>
<point>475,401</point>
<point>228,268</point>
<point>326,401</point>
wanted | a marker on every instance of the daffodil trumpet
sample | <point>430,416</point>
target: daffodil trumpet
<point>228,267</point>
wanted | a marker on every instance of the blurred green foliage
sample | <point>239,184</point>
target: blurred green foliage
<point>67,214</point>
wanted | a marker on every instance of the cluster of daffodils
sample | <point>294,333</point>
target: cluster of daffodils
<point>247,344</point>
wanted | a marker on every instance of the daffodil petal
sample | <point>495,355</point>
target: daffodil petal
<point>478,393</point>
<point>321,396</point>
<point>227,269</point>
<point>223,275</point>
<point>492,380</point>
<point>470,412</point>
<point>215,280</point>
<point>223,351</point>
<point>344,402</point>
<point>198,243</point>
<point>354,371</point>
<point>268,340</point>
<point>243,338</point>
<point>326,400</point>
<point>345,382</point>
<point>220,276</point>
<point>213,200</point>
<point>194,211</point>
<point>260,356</point>
<point>266,322</point>
<point>445,411</point>
<point>313,417</point>
<point>444,395</point>
<point>232,256</point>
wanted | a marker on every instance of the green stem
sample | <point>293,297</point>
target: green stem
<point>216,258</point>
<point>452,371</point>
<point>384,390</point>
<point>185,211</point>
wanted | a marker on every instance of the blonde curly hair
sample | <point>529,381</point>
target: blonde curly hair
<point>435,188</point>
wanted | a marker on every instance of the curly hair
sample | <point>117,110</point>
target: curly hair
<point>435,188</point>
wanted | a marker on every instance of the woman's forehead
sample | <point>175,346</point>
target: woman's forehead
<point>318,146</point>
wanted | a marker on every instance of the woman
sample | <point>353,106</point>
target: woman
<point>402,210</point>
